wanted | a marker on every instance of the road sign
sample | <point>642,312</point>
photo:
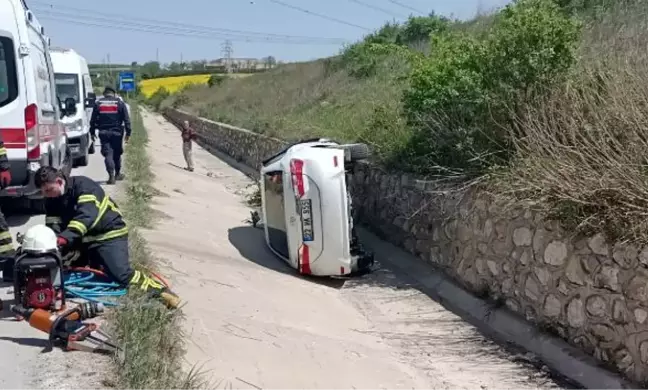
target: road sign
<point>126,81</point>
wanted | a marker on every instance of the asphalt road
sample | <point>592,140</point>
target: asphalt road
<point>22,362</point>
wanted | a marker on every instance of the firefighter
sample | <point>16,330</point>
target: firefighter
<point>7,251</point>
<point>110,117</point>
<point>86,219</point>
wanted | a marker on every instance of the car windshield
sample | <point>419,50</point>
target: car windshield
<point>8,76</point>
<point>67,86</point>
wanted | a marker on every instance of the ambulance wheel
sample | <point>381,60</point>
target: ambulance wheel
<point>82,161</point>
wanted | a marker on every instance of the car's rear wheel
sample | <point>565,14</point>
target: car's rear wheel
<point>357,151</point>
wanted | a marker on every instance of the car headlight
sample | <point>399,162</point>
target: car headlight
<point>77,125</point>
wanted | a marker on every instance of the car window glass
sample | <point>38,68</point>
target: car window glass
<point>8,76</point>
<point>275,218</point>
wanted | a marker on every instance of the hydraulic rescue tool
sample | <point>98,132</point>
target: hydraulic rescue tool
<point>38,270</point>
<point>68,329</point>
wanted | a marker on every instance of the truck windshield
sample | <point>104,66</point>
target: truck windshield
<point>67,86</point>
<point>8,76</point>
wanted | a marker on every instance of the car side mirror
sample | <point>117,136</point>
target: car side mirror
<point>70,106</point>
<point>90,100</point>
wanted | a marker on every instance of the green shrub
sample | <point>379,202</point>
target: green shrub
<point>156,99</point>
<point>216,79</point>
<point>461,97</point>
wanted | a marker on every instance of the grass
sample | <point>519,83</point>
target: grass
<point>299,100</point>
<point>581,150</point>
<point>149,334</point>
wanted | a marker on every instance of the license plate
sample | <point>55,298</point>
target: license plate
<point>307,219</point>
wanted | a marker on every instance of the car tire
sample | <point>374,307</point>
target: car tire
<point>357,151</point>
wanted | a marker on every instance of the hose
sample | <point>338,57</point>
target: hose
<point>92,285</point>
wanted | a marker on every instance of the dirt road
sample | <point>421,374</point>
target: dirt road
<point>22,360</point>
<point>253,323</point>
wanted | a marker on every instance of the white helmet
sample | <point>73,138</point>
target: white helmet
<point>39,238</point>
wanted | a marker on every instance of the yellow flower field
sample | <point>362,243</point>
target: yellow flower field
<point>172,84</point>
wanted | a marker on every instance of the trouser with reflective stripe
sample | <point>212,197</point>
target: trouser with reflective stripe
<point>7,251</point>
<point>112,257</point>
<point>112,149</point>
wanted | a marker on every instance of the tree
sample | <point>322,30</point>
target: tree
<point>269,62</point>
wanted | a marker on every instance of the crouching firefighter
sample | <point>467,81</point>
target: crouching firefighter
<point>110,117</point>
<point>86,219</point>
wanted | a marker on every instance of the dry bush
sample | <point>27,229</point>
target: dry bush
<point>582,150</point>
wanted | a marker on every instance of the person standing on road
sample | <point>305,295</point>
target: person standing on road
<point>110,117</point>
<point>188,134</point>
<point>7,251</point>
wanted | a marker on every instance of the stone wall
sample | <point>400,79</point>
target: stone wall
<point>592,293</point>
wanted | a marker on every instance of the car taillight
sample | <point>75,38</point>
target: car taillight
<point>31,132</point>
<point>304,260</point>
<point>297,175</point>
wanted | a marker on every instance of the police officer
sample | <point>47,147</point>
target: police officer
<point>7,251</point>
<point>86,219</point>
<point>108,116</point>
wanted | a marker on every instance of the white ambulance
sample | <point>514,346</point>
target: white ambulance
<point>73,82</point>
<point>30,112</point>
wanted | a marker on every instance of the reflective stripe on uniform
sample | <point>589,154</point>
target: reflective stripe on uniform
<point>3,151</point>
<point>103,206</point>
<point>114,207</point>
<point>5,236</point>
<point>78,226</point>
<point>52,220</point>
<point>136,277</point>
<point>6,248</point>
<point>107,236</point>
<point>88,199</point>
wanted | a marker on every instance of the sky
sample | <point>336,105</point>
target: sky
<point>108,33</point>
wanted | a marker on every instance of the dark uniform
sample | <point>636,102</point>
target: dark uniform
<point>90,220</point>
<point>108,116</point>
<point>7,251</point>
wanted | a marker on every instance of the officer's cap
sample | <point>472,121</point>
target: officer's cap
<point>109,89</point>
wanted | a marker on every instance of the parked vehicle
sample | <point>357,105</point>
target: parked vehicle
<point>73,82</point>
<point>306,208</point>
<point>30,113</point>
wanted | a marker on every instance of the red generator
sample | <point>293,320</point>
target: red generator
<point>39,281</point>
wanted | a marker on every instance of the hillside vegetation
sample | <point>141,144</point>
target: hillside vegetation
<point>543,101</point>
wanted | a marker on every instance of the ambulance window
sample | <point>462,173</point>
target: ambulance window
<point>8,75</point>
<point>67,86</point>
<point>275,217</point>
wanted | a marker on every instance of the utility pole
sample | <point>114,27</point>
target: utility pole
<point>227,51</point>
<point>157,55</point>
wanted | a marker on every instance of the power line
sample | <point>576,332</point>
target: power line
<point>383,10</point>
<point>318,14</point>
<point>76,21</point>
<point>120,18</point>
<point>405,6</point>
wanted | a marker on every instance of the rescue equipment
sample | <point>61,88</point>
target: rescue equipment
<point>68,329</point>
<point>38,270</point>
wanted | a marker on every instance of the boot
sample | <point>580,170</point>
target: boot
<point>120,176</point>
<point>155,289</point>
<point>111,179</point>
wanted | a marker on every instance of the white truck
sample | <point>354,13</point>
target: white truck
<point>73,82</point>
<point>30,113</point>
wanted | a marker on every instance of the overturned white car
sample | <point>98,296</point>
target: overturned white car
<point>306,208</point>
